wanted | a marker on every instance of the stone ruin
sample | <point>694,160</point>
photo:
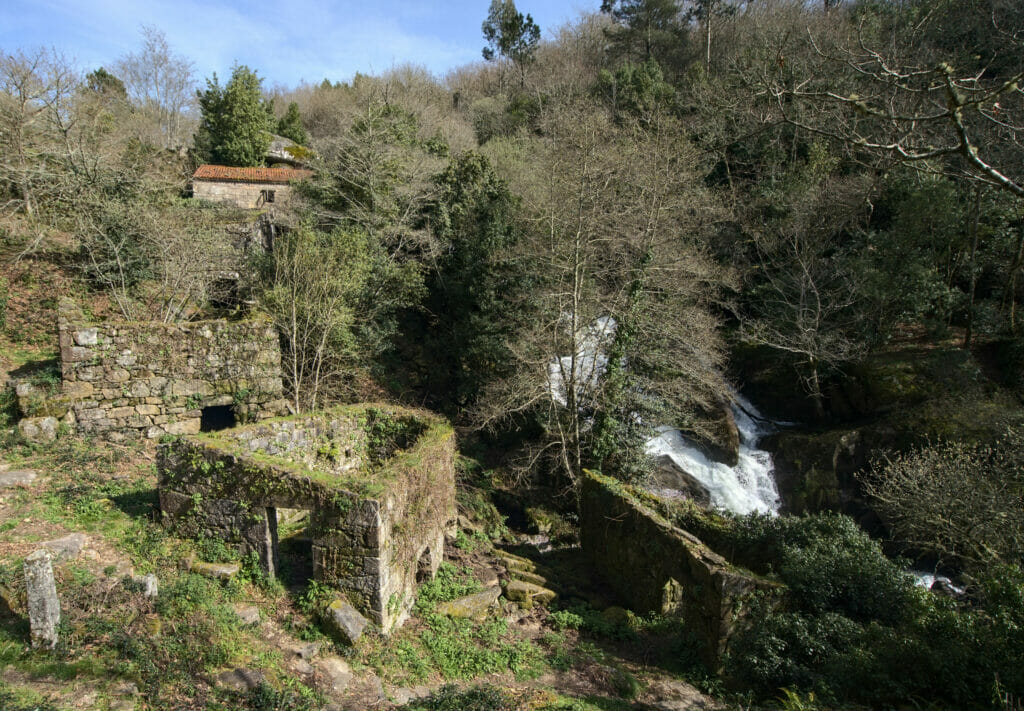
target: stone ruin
<point>654,565</point>
<point>146,379</point>
<point>378,481</point>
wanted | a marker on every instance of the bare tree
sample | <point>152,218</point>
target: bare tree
<point>620,328</point>
<point>161,85</point>
<point>36,91</point>
<point>899,96</point>
<point>959,501</point>
<point>805,290</point>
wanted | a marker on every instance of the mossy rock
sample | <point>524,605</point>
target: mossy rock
<point>473,606</point>
<point>527,594</point>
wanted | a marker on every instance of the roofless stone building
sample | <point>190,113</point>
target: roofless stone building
<point>378,481</point>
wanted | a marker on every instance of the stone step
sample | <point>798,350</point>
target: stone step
<point>527,594</point>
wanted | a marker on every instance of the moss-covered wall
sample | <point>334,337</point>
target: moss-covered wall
<point>132,379</point>
<point>379,481</point>
<point>653,565</point>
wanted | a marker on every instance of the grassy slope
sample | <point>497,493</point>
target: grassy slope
<point>121,650</point>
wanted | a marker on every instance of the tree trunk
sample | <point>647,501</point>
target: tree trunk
<point>972,227</point>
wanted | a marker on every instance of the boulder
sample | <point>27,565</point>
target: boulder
<point>344,622</point>
<point>66,548</point>
<point>669,475</point>
<point>39,429</point>
<point>527,576</point>
<point>724,443</point>
<point>308,651</point>
<point>248,614</point>
<point>145,584</point>
<point>337,674</point>
<point>17,477</point>
<point>285,150</point>
<point>218,571</point>
<point>511,562</point>
<point>302,667</point>
<point>526,594</point>
<point>473,606</point>
<point>240,679</point>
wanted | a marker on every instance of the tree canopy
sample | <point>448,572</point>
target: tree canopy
<point>236,121</point>
<point>511,35</point>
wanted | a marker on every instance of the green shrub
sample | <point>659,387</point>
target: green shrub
<point>852,627</point>
<point>584,618</point>
<point>448,584</point>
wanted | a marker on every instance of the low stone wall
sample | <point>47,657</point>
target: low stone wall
<point>132,379</point>
<point>655,566</point>
<point>379,482</point>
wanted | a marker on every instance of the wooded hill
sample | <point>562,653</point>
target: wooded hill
<point>582,237</point>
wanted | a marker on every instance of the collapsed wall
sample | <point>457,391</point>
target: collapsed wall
<point>379,483</point>
<point>147,379</point>
<point>655,566</point>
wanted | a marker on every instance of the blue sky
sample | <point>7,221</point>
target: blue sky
<point>285,42</point>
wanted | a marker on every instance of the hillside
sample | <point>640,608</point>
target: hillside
<point>672,361</point>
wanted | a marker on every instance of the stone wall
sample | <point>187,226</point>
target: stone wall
<point>237,194</point>
<point>655,566</point>
<point>379,483</point>
<point>132,379</point>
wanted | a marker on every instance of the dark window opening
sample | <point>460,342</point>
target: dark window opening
<point>267,195</point>
<point>216,418</point>
<point>224,294</point>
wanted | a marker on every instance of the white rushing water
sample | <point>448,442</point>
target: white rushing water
<point>924,579</point>
<point>749,487</point>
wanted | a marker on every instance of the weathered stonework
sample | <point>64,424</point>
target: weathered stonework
<point>245,195</point>
<point>653,565</point>
<point>147,379</point>
<point>379,482</point>
<point>246,187</point>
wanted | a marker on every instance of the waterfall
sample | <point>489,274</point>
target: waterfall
<point>926,580</point>
<point>749,487</point>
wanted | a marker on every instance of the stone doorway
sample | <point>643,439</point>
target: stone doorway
<point>293,555</point>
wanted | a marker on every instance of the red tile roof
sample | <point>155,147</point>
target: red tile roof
<point>231,174</point>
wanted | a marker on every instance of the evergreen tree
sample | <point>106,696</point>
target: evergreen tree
<point>106,84</point>
<point>471,295</point>
<point>510,34</point>
<point>290,125</point>
<point>236,120</point>
<point>647,29</point>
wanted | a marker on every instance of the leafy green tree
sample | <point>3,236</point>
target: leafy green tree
<point>511,35</point>
<point>636,89</point>
<point>312,283</point>
<point>290,125</point>
<point>646,29</point>
<point>103,82</point>
<point>472,289</point>
<point>236,121</point>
